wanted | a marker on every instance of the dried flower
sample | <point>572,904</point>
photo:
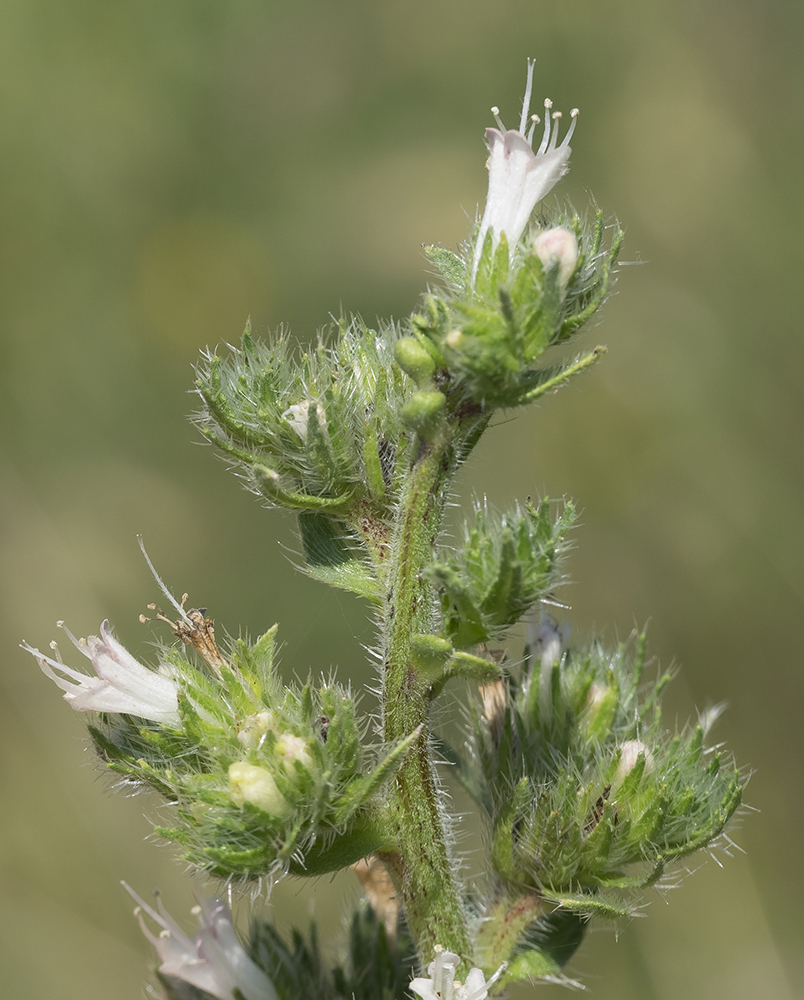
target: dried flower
<point>518,177</point>
<point>442,985</point>
<point>214,960</point>
<point>121,684</point>
<point>380,892</point>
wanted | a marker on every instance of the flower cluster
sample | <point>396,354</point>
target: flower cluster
<point>584,789</point>
<point>263,777</point>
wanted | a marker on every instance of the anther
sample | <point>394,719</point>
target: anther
<point>574,113</point>
<point>548,103</point>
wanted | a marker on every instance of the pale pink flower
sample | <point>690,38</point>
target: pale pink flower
<point>518,176</point>
<point>121,683</point>
<point>214,960</point>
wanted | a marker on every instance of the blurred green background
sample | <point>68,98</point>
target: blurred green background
<point>168,167</point>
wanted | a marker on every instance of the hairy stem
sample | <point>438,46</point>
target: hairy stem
<point>421,865</point>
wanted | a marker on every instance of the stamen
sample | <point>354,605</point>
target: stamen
<point>159,582</point>
<point>80,644</point>
<point>546,137</point>
<point>534,121</point>
<point>55,647</point>
<point>496,112</point>
<point>574,116</point>
<point>523,121</point>
<point>556,116</point>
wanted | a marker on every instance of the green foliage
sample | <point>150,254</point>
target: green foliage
<point>317,431</point>
<point>373,968</point>
<point>584,790</point>
<point>333,556</point>
<point>546,946</point>
<point>504,567</point>
<point>263,777</point>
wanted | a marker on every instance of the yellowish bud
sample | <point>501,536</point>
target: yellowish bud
<point>293,748</point>
<point>249,783</point>
<point>253,728</point>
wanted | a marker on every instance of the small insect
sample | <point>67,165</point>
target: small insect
<point>192,627</point>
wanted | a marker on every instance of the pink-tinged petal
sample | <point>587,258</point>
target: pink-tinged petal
<point>121,684</point>
<point>214,960</point>
<point>518,177</point>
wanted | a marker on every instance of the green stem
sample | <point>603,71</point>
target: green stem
<point>421,864</point>
<point>564,375</point>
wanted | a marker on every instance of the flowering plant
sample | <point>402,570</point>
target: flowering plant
<point>583,796</point>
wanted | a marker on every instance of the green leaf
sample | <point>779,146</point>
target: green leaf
<point>331,559</point>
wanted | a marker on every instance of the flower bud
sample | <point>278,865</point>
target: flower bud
<point>293,748</point>
<point>249,783</point>
<point>414,360</point>
<point>630,752</point>
<point>557,246</point>
<point>423,412</point>
<point>252,729</point>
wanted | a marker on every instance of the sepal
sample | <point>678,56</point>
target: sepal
<point>506,564</point>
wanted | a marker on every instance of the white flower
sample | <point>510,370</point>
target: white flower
<point>442,986</point>
<point>518,177</point>
<point>298,416</point>
<point>214,960</point>
<point>121,684</point>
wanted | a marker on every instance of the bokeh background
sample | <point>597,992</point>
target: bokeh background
<point>170,167</point>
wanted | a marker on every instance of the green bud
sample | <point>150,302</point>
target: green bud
<point>414,360</point>
<point>430,653</point>
<point>424,412</point>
